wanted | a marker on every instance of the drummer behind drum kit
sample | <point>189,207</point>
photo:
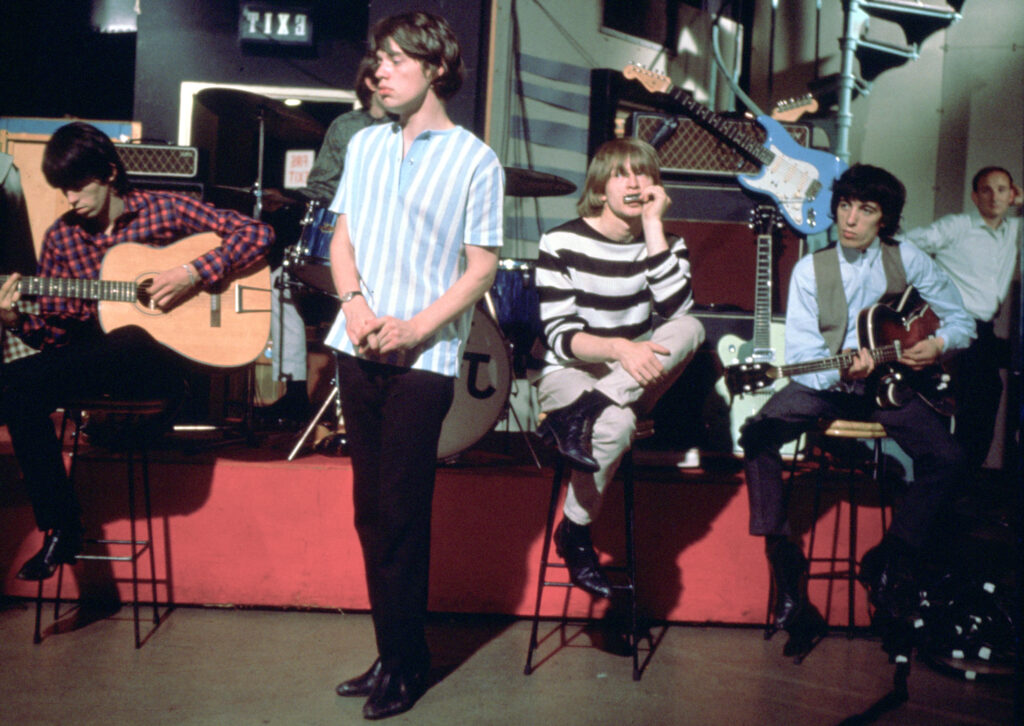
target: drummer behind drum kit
<point>503,325</point>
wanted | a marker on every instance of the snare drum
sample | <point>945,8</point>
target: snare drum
<point>481,390</point>
<point>310,260</point>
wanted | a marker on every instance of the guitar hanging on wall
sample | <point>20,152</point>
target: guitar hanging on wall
<point>768,342</point>
<point>798,180</point>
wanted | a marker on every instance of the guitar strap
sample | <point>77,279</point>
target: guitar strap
<point>832,305</point>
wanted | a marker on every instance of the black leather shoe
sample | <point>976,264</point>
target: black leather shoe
<point>394,692</point>
<point>360,685</point>
<point>60,546</point>
<point>888,570</point>
<point>573,544</point>
<point>570,427</point>
<point>789,570</point>
<point>806,628</point>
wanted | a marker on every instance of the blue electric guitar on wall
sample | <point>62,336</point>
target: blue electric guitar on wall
<point>799,180</point>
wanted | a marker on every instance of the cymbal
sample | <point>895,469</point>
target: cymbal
<point>529,183</point>
<point>280,121</point>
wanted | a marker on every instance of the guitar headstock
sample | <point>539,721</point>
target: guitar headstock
<point>748,377</point>
<point>652,80</point>
<point>791,109</point>
<point>764,218</point>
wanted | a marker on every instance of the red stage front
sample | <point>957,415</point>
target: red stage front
<point>241,526</point>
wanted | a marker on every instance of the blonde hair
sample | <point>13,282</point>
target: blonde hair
<point>612,158</point>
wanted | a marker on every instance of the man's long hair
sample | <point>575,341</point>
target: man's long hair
<point>430,40</point>
<point>79,153</point>
<point>611,158</point>
<point>866,183</point>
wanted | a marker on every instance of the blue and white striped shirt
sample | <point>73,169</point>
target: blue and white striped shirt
<point>409,218</point>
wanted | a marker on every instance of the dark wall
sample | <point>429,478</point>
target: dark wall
<point>184,40</point>
<point>52,64</point>
<point>181,40</point>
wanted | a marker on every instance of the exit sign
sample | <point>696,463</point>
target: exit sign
<point>275,24</point>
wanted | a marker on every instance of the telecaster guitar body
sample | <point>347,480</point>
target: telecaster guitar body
<point>733,349</point>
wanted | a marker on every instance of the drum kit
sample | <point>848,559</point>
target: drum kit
<point>503,325</point>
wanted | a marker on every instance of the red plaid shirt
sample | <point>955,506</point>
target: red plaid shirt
<point>153,218</point>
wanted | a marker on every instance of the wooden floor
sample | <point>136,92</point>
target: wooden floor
<point>227,666</point>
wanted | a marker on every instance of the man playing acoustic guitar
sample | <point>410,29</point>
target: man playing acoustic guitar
<point>77,359</point>
<point>827,292</point>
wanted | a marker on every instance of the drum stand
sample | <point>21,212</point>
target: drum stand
<point>333,396</point>
<point>488,301</point>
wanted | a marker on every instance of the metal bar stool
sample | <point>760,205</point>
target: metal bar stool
<point>645,428</point>
<point>846,431</point>
<point>131,415</point>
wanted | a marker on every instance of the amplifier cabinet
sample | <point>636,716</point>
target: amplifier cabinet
<point>159,160</point>
<point>692,149</point>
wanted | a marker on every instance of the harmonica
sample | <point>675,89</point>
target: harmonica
<point>630,198</point>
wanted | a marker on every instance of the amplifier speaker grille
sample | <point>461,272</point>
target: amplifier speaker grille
<point>692,149</point>
<point>159,160</point>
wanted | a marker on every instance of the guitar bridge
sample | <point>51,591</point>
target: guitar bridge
<point>812,190</point>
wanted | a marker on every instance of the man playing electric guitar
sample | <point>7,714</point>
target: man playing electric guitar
<point>826,294</point>
<point>77,359</point>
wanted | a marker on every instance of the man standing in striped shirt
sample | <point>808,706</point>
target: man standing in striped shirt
<point>615,298</point>
<point>415,246</point>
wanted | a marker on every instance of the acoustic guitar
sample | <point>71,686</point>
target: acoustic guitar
<point>225,327</point>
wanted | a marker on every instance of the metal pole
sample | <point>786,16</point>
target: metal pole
<point>848,45</point>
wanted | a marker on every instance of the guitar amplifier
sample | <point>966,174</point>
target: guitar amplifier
<point>160,160</point>
<point>692,149</point>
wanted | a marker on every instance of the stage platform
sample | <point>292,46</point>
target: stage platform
<point>239,525</point>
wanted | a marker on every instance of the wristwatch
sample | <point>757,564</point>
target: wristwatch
<point>347,296</point>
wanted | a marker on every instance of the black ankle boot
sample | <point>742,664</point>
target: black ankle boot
<point>794,613</point>
<point>60,546</point>
<point>573,544</point>
<point>570,428</point>
<point>789,569</point>
<point>889,572</point>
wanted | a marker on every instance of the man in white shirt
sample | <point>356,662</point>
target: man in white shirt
<point>979,252</point>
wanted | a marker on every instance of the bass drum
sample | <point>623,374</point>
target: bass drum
<point>481,390</point>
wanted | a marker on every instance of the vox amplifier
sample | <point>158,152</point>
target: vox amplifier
<point>686,147</point>
<point>181,162</point>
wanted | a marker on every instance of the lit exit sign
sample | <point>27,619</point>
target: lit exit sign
<point>275,24</point>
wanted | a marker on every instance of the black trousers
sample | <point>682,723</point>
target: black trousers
<point>126,363</point>
<point>921,432</point>
<point>978,389</point>
<point>393,419</point>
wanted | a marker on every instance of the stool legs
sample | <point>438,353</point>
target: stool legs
<point>630,568</point>
<point>138,547</point>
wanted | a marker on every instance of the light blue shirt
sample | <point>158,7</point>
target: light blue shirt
<point>864,283</point>
<point>409,219</point>
<point>981,260</point>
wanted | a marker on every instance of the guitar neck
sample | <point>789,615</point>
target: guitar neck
<point>763,294</point>
<point>884,354</point>
<point>77,288</point>
<point>717,124</point>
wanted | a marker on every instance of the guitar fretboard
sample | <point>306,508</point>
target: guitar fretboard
<point>884,354</point>
<point>713,121</point>
<point>117,291</point>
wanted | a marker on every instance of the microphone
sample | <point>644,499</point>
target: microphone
<point>664,132</point>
